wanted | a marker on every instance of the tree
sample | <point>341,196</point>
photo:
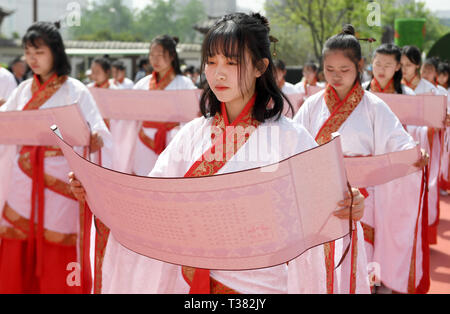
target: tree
<point>435,29</point>
<point>107,20</point>
<point>112,20</point>
<point>323,18</point>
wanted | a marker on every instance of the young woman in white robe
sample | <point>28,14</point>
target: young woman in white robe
<point>430,139</point>
<point>310,73</point>
<point>281,71</point>
<point>429,71</point>
<point>119,79</point>
<point>367,126</point>
<point>443,79</point>
<point>241,85</point>
<point>395,235</point>
<point>35,253</point>
<point>150,138</point>
<point>7,85</point>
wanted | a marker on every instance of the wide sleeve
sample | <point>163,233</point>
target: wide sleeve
<point>303,115</point>
<point>92,115</point>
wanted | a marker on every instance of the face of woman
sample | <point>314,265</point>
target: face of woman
<point>160,59</point>
<point>39,59</point>
<point>442,78</point>
<point>98,75</point>
<point>409,69</point>
<point>309,74</point>
<point>384,68</point>
<point>340,72</point>
<point>223,77</point>
<point>428,72</point>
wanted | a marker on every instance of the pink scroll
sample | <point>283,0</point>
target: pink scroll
<point>244,220</point>
<point>420,110</point>
<point>32,127</point>
<point>375,170</point>
<point>144,105</point>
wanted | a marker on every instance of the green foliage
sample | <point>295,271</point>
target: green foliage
<point>321,19</point>
<point>112,20</point>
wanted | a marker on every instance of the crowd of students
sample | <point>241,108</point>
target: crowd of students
<point>245,86</point>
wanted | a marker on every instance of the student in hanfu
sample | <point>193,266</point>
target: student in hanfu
<point>368,128</point>
<point>281,71</point>
<point>119,78</point>
<point>310,78</point>
<point>40,223</point>
<point>430,139</point>
<point>392,233</point>
<point>242,93</point>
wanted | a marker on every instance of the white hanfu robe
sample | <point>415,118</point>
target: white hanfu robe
<point>395,235</point>
<point>7,84</point>
<point>300,86</point>
<point>371,129</point>
<point>420,134</point>
<point>288,88</point>
<point>127,272</point>
<point>126,84</point>
<point>61,213</point>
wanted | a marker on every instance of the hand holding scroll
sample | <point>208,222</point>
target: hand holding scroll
<point>96,142</point>
<point>447,120</point>
<point>357,208</point>
<point>423,161</point>
<point>77,188</point>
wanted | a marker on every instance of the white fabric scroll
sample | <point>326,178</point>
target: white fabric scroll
<point>244,220</point>
<point>420,110</point>
<point>145,105</point>
<point>32,127</point>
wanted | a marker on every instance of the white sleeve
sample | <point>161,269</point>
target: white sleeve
<point>92,115</point>
<point>302,115</point>
<point>8,84</point>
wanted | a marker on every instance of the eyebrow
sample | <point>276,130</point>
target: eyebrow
<point>340,67</point>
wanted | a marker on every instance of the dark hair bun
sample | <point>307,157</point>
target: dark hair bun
<point>176,39</point>
<point>263,19</point>
<point>348,29</point>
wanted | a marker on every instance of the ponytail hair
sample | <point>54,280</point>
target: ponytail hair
<point>395,51</point>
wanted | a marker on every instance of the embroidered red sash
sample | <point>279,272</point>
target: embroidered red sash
<point>339,112</point>
<point>376,87</point>
<point>158,143</point>
<point>413,83</point>
<point>227,140</point>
